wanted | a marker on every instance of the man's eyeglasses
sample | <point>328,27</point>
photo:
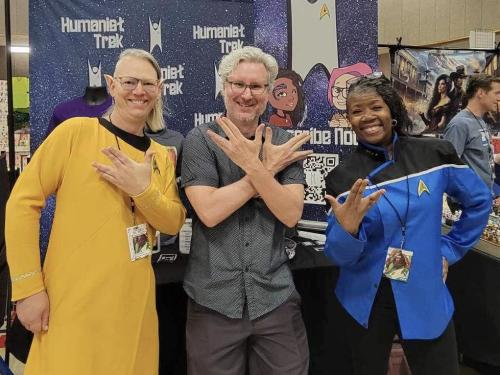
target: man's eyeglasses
<point>130,83</point>
<point>239,87</point>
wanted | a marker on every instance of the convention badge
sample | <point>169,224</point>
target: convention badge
<point>138,243</point>
<point>185,235</point>
<point>397,264</point>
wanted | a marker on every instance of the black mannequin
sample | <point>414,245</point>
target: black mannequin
<point>95,95</point>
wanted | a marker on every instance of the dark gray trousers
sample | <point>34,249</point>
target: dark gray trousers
<point>274,344</point>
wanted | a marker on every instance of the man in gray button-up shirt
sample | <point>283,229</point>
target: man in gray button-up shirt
<point>245,183</point>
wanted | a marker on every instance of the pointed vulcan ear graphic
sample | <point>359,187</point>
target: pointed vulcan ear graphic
<point>94,75</point>
<point>218,83</point>
<point>155,35</point>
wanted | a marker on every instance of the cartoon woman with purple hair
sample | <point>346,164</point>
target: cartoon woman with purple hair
<point>340,80</point>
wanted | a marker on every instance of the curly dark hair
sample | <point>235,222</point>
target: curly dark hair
<point>436,95</point>
<point>382,87</point>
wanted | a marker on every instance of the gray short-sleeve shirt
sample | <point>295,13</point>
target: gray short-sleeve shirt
<point>243,258</point>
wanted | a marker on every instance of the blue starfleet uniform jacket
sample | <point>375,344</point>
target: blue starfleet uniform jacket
<point>423,169</point>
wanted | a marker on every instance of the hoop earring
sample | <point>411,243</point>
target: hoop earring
<point>394,122</point>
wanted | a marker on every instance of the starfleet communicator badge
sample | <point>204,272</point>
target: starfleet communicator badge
<point>324,11</point>
<point>422,188</point>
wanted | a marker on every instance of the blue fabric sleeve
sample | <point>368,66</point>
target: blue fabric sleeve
<point>341,247</point>
<point>476,199</point>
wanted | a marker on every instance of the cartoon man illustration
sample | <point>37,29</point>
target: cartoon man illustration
<point>340,80</point>
<point>287,100</point>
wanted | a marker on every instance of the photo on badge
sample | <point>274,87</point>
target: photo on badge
<point>397,264</point>
<point>139,245</point>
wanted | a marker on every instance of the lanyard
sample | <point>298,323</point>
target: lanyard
<point>400,219</point>
<point>479,122</point>
<point>132,203</point>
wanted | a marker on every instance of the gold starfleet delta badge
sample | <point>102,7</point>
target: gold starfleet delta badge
<point>422,188</point>
<point>324,11</point>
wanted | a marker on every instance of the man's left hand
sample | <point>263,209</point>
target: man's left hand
<point>278,157</point>
<point>242,151</point>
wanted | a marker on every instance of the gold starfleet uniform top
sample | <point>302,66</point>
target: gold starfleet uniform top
<point>102,304</point>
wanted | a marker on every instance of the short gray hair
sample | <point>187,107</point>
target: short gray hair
<point>155,119</point>
<point>249,54</point>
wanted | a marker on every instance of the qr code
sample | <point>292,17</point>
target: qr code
<point>316,168</point>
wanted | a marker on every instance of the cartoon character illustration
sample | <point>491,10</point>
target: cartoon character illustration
<point>340,80</point>
<point>316,18</point>
<point>287,99</point>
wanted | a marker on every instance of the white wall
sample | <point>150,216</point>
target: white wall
<point>431,21</point>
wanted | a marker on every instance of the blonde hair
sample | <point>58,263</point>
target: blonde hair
<point>248,54</point>
<point>155,120</point>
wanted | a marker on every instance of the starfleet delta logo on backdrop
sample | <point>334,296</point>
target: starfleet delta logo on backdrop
<point>107,32</point>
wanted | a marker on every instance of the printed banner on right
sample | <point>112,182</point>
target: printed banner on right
<point>432,83</point>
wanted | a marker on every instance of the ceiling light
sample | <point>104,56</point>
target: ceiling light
<point>20,49</point>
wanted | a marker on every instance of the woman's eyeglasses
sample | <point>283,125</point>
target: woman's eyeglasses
<point>131,83</point>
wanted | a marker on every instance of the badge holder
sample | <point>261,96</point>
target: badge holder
<point>138,242</point>
<point>397,264</point>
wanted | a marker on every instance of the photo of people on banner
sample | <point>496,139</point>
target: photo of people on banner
<point>432,84</point>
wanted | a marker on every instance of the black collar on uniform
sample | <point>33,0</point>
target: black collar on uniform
<point>379,151</point>
<point>141,143</point>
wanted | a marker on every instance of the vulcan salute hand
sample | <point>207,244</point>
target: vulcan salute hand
<point>131,177</point>
<point>350,213</point>
<point>242,151</point>
<point>278,157</point>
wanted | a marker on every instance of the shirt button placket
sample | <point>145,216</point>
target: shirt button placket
<point>246,256</point>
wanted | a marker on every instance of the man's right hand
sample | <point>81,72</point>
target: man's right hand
<point>33,312</point>
<point>278,157</point>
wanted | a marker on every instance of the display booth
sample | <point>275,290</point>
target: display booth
<point>320,46</point>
